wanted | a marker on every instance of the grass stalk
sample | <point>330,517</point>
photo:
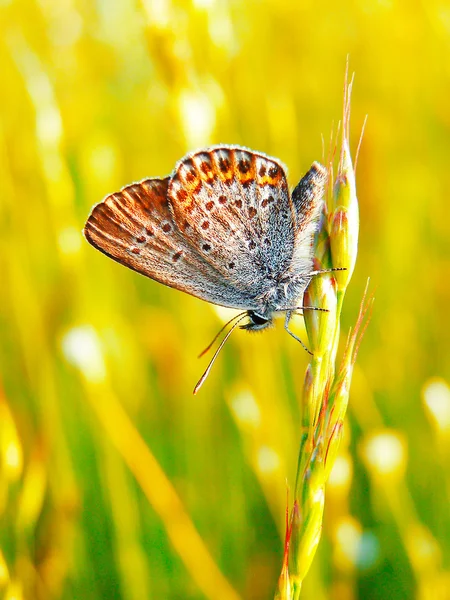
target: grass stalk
<point>326,386</point>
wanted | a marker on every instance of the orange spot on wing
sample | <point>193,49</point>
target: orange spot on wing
<point>182,195</point>
<point>246,171</point>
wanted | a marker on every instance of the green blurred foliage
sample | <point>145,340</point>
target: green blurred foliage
<point>115,481</point>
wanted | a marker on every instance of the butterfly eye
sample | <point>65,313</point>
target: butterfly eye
<point>256,319</point>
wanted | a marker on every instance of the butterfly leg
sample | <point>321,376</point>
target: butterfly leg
<point>291,333</point>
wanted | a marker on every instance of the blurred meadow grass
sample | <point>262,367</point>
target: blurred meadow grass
<point>115,481</point>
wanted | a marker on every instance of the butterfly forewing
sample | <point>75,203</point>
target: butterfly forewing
<point>135,227</point>
<point>308,202</point>
<point>233,205</point>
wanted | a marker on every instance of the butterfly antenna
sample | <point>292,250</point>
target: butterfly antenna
<point>219,332</point>
<point>310,308</point>
<point>202,379</point>
<point>320,271</point>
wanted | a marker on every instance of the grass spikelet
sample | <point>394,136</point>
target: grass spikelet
<point>326,388</point>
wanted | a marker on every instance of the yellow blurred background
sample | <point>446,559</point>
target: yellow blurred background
<point>115,481</point>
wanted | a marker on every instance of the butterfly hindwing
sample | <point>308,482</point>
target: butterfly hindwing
<point>234,206</point>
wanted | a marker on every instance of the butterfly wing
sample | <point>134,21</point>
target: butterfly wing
<point>307,198</point>
<point>136,228</point>
<point>234,207</point>
<point>223,227</point>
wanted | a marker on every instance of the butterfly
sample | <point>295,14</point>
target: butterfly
<point>222,227</point>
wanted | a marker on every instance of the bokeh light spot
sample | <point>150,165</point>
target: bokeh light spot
<point>198,117</point>
<point>268,460</point>
<point>436,396</point>
<point>245,409</point>
<point>341,472</point>
<point>69,240</point>
<point>385,453</point>
<point>82,348</point>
